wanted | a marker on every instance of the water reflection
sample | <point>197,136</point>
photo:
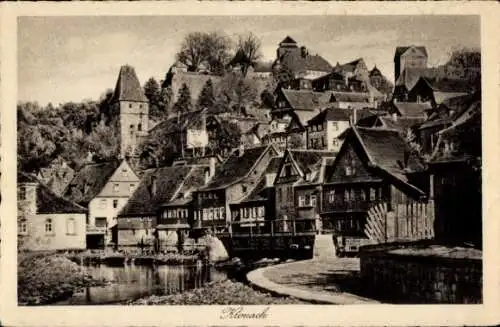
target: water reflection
<point>132,282</point>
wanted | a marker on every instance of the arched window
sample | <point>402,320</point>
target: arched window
<point>48,225</point>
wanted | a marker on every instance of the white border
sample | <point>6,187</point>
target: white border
<point>352,315</point>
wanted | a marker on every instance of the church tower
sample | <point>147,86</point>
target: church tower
<point>133,110</point>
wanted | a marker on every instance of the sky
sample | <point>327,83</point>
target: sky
<point>62,59</point>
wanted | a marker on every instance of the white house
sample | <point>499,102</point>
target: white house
<point>47,221</point>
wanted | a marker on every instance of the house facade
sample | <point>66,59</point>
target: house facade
<point>324,129</point>
<point>298,167</point>
<point>233,180</point>
<point>104,188</point>
<point>47,221</point>
<point>368,170</point>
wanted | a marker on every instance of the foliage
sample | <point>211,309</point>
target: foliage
<point>236,92</point>
<point>248,51</point>
<point>207,96</point>
<point>159,149</point>
<point>44,278</point>
<point>159,99</point>
<point>184,102</point>
<point>219,293</point>
<point>227,138</point>
<point>465,58</point>
<point>296,141</point>
<point>283,76</point>
<point>68,131</point>
<point>267,99</point>
<point>210,49</point>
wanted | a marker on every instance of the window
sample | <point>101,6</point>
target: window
<point>262,212</point>
<point>71,226</point>
<point>139,127</point>
<point>373,194</point>
<point>323,141</point>
<point>313,200</point>
<point>140,106</point>
<point>348,171</point>
<point>335,126</point>
<point>353,195</point>
<point>243,188</point>
<point>211,213</point>
<point>116,187</point>
<point>217,213</point>
<point>23,227</point>
<point>48,225</point>
<point>22,193</point>
<point>101,222</point>
<point>115,204</point>
<point>331,196</point>
<point>102,204</point>
<point>131,187</point>
<point>335,142</point>
<point>302,201</point>
<point>346,195</point>
<point>205,214</point>
<point>130,105</point>
<point>363,195</point>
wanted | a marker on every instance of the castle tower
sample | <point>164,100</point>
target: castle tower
<point>287,45</point>
<point>409,57</point>
<point>133,110</point>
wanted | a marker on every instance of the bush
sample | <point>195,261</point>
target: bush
<point>48,277</point>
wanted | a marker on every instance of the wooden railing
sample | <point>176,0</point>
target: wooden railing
<point>274,227</point>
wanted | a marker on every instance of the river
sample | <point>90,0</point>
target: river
<point>131,282</point>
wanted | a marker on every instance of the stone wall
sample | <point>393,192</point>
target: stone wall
<point>405,278</point>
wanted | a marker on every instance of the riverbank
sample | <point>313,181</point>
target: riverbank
<point>226,292</point>
<point>88,258</point>
<point>45,278</point>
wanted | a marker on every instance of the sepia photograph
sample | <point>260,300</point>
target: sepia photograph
<point>219,160</point>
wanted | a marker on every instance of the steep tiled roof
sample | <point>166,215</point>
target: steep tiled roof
<point>143,201</point>
<point>305,99</point>
<point>402,123</point>
<point>57,178</point>
<point>47,202</point>
<point>296,62</point>
<point>258,193</point>
<point>350,96</point>
<point>193,182</point>
<point>128,87</point>
<point>177,123</point>
<point>350,66</point>
<point>411,109</point>
<point>330,114</point>
<point>89,181</point>
<point>402,49</point>
<point>309,160</point>
<point>273,165</point>
<point>235,167</point>
<point>410,76</point>
<point>375,72</point>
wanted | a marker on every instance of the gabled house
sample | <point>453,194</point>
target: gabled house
<point>104,188</point>
<point>408,78</point>
<point>299,61</point>
<point>356,68</point>
<point>159,187</point>
<point>254,211</point>
<point>323,130</point>
<point>297,166</point>
<point>370,168</point>
<point>47,221</point>
<point>233,181</point>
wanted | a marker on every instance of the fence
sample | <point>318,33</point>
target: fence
<point>409,221</point>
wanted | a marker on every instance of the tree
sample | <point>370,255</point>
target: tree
<point>236,91</point>
<point>152,90</point>
<point>227,137</point>
<point>283,75</point>
<point>296,141</point>
<point>206,99</point>
<point>184,102</point>
<point>267,99</point>
<point>248,51</point>
<point>104,141</point>
<point>164,102</point>
<point>211,49</point>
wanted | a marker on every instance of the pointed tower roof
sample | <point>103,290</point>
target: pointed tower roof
<point>375,71</point>
<point>288,40</point>
<point>128,87</point>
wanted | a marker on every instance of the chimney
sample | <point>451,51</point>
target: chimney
<point>27,198</point>
<point>303,51</point>
<point>270,177</point>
